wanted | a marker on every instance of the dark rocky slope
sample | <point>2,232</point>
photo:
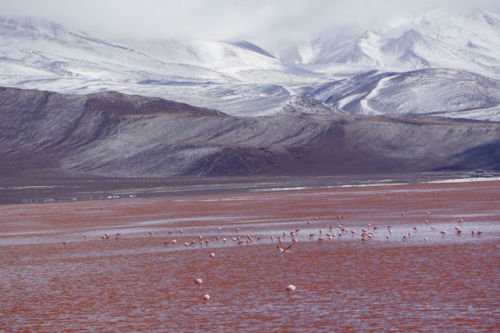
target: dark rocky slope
<point>112,134</point>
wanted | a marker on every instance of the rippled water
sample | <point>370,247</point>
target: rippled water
<point>136,283</point>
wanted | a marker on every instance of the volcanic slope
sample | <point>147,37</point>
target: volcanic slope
<point>112,134</point>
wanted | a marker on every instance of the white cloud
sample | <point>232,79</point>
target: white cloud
<point>268,22</point>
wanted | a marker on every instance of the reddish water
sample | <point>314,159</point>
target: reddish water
<point>448,282</point>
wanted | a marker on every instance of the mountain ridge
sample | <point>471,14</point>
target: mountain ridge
<point>65,134</point>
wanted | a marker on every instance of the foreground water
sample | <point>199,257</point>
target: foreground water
<point>420,274</point>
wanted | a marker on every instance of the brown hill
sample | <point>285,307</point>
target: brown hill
<point>112,134</point>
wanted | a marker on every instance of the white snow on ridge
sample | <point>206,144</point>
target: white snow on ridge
<point>435,39</point>
<point>365,102</point>
<point>440,92</point>
<point>346,100</point>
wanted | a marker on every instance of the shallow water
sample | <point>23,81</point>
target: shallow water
<point>137,283</point>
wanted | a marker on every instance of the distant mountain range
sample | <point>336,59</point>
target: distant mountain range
<point>432,64</point>
<point>382,101</point>
<point>433,40</point>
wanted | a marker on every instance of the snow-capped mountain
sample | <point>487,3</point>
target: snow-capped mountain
<point>236,77</point>
<point>427,91</point>
<point>45,47</point>
<point>38,49</point>
<point>377,72</point>
<point>433,40</point>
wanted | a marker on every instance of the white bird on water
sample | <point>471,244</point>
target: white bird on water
<point>291,288</point>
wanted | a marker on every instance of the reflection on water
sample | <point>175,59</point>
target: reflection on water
<point>429,281</point>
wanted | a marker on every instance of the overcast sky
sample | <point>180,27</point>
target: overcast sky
<point>267,22</point>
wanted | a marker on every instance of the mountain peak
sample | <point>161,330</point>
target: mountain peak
<point>433,39</point>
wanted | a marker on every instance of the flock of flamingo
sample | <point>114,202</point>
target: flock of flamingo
<point>327,233</point>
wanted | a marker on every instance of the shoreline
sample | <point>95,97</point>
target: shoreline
<point>50,190</point>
